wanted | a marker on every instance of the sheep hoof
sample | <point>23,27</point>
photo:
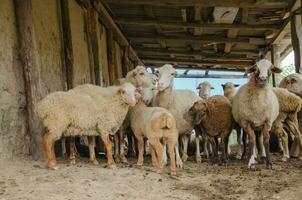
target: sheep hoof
<point>198,158</point>
<point>123,159</point>
<point>112,166</point>
<point>252,166</point>
<point>173,173</point>
<point>184,157</point>
<point>117,158</point>
<point>54,167</point>
<point>285,159</point>
<point>159,171</point>
<point>179,163</point>
<point>269,166</point>
<point>72,162</point>
<point>95,162</point>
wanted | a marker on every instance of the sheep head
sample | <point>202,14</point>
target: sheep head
<point>293,83</point>
<point>137,76</point>
<point>198,110</point>
<point>166,75</point>
<point>147,95</point>
<point>229,88</point>
<point>262,71</point>
<point>129,94</point>
<point>205,89</point>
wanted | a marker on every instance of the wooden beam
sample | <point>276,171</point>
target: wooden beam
<point>111,56</point>
<point>201,39</point>
<point>296,35</point>
<point>275,57</point>
<point>93,41</point>
<point>67,43</point>
<point>105,17</point>
<point>198,19</point>
<point>196,61</point>
<point>272,4</point>
<point>28,56</point>
<point>179,24</point>
<point>203,68</point>
<point>210,76</point>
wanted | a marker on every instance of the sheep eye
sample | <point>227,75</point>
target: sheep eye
<point>141,73</point>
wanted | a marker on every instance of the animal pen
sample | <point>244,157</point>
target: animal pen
<point>57,45</point>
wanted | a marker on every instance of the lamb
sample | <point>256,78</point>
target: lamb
<point>290,105</point>
<point>154,123</point>
<point>205,89</point>
<point>255,105</point>
<point>229,92</point>
<point>75,113</point>
<point>178,102</point>
<point>214,117</point>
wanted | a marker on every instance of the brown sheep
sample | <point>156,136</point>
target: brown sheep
<point>214,117</point>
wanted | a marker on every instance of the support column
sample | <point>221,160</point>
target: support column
<point>275,56</point>
<point>29,58</point>
<point>296,35</point>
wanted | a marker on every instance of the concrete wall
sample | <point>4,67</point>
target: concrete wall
<point>13,137</point>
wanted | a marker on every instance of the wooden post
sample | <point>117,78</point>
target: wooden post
<point>275,57</point>
<point>67,43</point>
<point>111,56</point>
<point>28,56</point>
<point>93,40</point>
<point>296,35</point>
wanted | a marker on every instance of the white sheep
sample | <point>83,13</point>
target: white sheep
<point>100,111</point>
<point>289,106</point>
<point>154,123</point>
<point>255,105</point>
<point>178,102</point>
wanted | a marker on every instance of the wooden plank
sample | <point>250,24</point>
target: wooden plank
<point>201,39</point>
<point>205,52</point>
<point>179,24</point>
<point>105,17</point>
<point>216,76</point>
<point>93,41</point>
<point>275,57</point>
<point>196,61</point>
<point>28,56</point>
<point>198,19</point>
<point>203,68</point>
<point>111,56</point>
<point>206,3</point>
<point>231,34</point>
<point>67,43</point>
<point>296,35</point>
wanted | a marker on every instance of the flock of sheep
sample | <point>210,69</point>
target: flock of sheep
<point>166,117</point>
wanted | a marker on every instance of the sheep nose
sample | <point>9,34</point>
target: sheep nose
<point>262,78</point>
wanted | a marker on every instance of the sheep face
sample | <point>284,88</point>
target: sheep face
<point>229,88</point>
<point>205,89</point>
<point>138,76</point>
<point>166,75</point>
<point>129,94</point>
<point>198,110</point>
<point>262,71</point>
<point>293,83</point>
<point>147,95</point>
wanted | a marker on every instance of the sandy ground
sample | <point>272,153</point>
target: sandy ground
<point>30,180</point>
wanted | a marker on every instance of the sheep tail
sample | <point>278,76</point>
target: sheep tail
<point>168,120</point>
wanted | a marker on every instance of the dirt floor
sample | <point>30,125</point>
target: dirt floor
<point>31,180</point>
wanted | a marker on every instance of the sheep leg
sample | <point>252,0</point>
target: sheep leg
<point>224,150</point>
<point>108,146</point>
<point>252,146</point>
<point>239,142</point>
<point>226,146</point>
<point>91,145</point>
<point>122,144</point>
<point>297,135</point>
<point>171,145</point>
<point>197,153</point>
<point>72,146</point>
<point>179,162</point>
<point>165,156</point>
<point>116,148</point>
<point>140,144</point>
<point>214,150</point>
<point>63,145</point>
<point>48,146</point>
<point>153,157</point>
<point>266,136</point>
<point>159,153</point>
<point>185,141</point>
<point>283,139</point>
<point>244,138</point>
<point>262,148</point>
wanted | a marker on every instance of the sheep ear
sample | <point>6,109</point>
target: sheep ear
<point>236,85</point>
<point>134,74</point>
<point>198,87</point>
<point>252,69</point>
<point>223,86</point>
<point>212,88</point>
<point>276,70</point>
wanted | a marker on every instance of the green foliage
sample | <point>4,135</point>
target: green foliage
<point>287,70</point>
